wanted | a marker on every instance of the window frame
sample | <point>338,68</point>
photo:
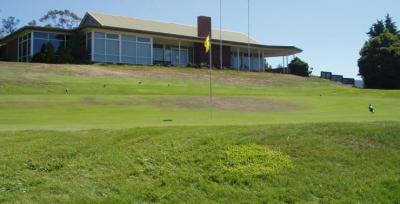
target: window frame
<point>124,39</point>
<point>62,41</point>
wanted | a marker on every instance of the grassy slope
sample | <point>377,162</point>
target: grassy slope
<point>260,157</point>
<point>350,163</point>
<point>32,97</point>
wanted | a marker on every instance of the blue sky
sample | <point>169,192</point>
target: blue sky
<point>331,33</point>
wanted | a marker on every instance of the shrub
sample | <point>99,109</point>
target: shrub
<point>277,70</point>
<point>299,67</point>
<point>193,65</point>
<point>64,55</point>
<point>46,54</point>
<point>80,54</point>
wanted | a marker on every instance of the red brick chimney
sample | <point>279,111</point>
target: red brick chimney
<point>203,26</point>
<point>203,30</point>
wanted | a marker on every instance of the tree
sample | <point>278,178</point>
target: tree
<point>32,23</point>
<point>78,47</point>
<point>380,26</point>
<point>64,55</point>
<point>9,25</point>
<point>299,67</point>
<point>46,54</point>
<point>60,19</point>
<point>390,25</point>
<point>379,64</point>
<point>376,29</point>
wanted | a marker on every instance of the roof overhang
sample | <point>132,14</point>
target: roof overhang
<point>34,28</point>
<point>272,50</point>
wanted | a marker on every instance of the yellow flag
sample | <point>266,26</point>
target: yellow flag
<point>207,44</point>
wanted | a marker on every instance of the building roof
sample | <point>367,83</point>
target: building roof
<point>106,20</point>
<point>35,28</point>
<point>99,20</point>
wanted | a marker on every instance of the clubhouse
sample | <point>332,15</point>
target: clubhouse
<point>117,39</point>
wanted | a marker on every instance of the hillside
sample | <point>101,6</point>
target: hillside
<point>110,96</point>
<point>132,134</point>
<point>327,163</point>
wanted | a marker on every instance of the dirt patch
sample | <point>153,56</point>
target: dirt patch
<point>241,104</point>
<point>173,73</point>
<point>236,104</point>
<point>96,71</point>
<point>126,101</point>
<point>35,71</point>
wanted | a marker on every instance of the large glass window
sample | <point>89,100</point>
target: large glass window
<point>57,44</point>
<point>144,40</point>
<point>241,61</point>
<point>41,35</point>
<point>99,52</point>
<point>144,51</point>
<point>24,48</point>
<point>236,60</point>
<point>233,63</point>
<point>128,38</point>
<point>175,56</point>
<point>190,53</point>
<point>127,49</point>
<point>246,61</point>
<point>57,40</point>
<point>184,57</point>
<point>55,36</point>
<point>179,58</point>
<point>112,36</point>
<point>255,62</point>
<point>112,50</point>
<point>37,45</point>
<point>99,35</point>
<point>158,54</point>
<point>167,54</point>
<point>89,44</point>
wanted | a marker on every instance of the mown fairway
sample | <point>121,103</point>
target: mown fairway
<point>32,97</point>
<point>128,134</point>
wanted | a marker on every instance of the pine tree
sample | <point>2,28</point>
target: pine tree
<point>379,64</point>
<point>390,25</point>
<point>376,29</point>
<point>381,26</point>
<point>46,54</point>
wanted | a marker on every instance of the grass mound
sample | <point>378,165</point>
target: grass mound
<point>254,161</point>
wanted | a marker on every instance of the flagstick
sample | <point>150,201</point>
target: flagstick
<point>248,33</point>
<point>210,69</point>
<point>220,34</point>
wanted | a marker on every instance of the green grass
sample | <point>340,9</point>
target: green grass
<point>302,163</point>
<point>143,134</point>
<point>32,97</point>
